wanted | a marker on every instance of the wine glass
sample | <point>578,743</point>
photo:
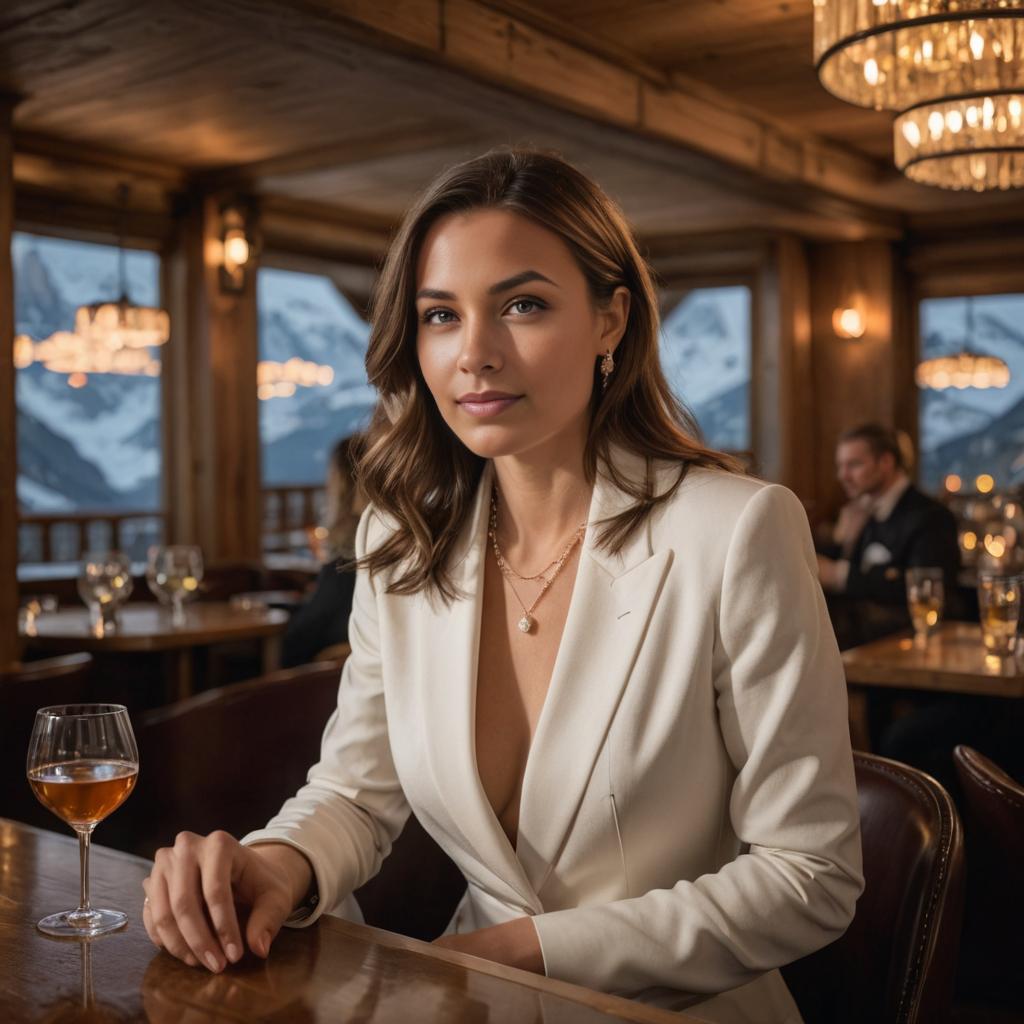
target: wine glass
<point>82,764</point>
<point>924,601</point>
<point>173,574</point>
<point>104,583</point>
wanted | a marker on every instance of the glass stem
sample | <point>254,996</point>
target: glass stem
<point>83,851</point>
<point>177,611</point>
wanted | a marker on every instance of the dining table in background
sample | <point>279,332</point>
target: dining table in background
<point>954,660</point>
<point>147,628</point>
<point>332,971</point>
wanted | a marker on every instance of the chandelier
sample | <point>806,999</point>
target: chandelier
<point>952,69</point>
<point>964,369</point>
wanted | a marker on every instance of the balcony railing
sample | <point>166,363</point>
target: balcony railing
<point>44,538</point>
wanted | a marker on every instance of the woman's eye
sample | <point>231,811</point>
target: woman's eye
<point>524,306</point>
<point>438,316</point>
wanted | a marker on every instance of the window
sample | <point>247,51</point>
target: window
<point>705,352</point>
<point>972,431</point>
<point>304,318</point>
<point>91,452</point>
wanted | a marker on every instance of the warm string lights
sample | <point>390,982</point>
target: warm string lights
<point>953,69</point>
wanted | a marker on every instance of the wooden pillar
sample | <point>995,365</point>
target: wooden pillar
<point>783,410</point>
<point>856,380</point>
<point>212,424</point>
<point>9,643</point>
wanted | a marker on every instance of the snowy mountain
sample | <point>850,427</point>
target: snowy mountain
<point>705,353</point>
<point>84,448</point>
<point>304,315</point>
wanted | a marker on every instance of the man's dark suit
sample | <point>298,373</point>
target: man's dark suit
<point>919,532</point>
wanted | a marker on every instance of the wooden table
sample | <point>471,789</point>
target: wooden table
<point>954,661</point>
<point>148,628</point>
<point>333,971</point>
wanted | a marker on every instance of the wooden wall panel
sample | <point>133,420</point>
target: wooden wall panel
<point>9,644</point>
<point>856,380</point>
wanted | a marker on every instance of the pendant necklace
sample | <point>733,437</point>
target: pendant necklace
<point>527,622</point>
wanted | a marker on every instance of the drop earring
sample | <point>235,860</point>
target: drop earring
<point>607,365</point>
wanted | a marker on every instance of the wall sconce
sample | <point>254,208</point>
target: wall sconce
<point>848,321</point>
<point>238,249</point>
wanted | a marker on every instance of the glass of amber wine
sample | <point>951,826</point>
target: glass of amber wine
<point>82,764</point>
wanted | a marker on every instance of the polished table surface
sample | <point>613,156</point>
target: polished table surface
<point>334,971</point>
<point>954,661</point>
<point>148,627</point>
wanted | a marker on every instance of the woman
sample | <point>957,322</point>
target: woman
<point>322,621</point>
<point>594,660</point>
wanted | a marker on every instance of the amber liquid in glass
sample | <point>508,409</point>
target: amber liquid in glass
<point>925,613</point>
<point>83,792</point>
<point>999,626</point>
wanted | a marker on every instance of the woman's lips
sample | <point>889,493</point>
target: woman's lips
<point>488,407</point>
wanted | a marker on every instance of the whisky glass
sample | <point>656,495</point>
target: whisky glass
<point>82,765</point>
<point>999,604</point>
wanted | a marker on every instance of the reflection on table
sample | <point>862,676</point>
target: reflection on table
<point>334,971</point>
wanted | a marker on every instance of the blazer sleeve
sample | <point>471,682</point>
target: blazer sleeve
<point>781,702</point>
<point>352,807</point>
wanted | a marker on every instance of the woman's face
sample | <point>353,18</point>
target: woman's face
<point>508,333</point>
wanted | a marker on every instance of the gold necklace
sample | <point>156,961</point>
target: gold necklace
<point>527,622</point>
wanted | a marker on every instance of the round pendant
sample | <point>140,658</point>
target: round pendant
<point>525,624</point>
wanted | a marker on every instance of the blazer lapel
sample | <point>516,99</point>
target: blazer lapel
<point>451,645</point>
<point>611,604</point>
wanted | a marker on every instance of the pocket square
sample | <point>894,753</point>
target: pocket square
<point>875,554</point>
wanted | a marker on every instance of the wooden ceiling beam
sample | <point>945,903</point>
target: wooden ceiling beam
<point>507,50</point>
<point>432,48</point>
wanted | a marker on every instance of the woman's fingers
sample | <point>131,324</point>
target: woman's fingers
<point>219,864</point>
<point>161,917</point>
<point>185,893</point>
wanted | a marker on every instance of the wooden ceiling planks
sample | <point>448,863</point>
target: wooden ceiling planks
<point>758,52</point>
<point>348,104</point>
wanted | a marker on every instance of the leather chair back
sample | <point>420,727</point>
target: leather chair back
<point>896,962</point>
<point>227,758</point>
<point>30,686</point>
<point>990,949</point>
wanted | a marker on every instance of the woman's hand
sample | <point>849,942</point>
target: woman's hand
<point>196,883</point>
<point>513,943</point>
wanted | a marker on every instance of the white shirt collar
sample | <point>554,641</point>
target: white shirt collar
<point>883,505</point>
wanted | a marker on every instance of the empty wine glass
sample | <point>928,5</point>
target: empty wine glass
<point>173,574</point>
<point>104,584</point>
<point>82,765</point>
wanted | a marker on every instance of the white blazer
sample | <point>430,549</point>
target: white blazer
<point>689,816</point>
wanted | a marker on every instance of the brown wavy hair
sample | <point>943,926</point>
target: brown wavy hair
<point>413,468</point>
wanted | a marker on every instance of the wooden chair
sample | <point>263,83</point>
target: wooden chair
<point>34,685</point>
<point>989,986</point>
<point>896,962</point>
